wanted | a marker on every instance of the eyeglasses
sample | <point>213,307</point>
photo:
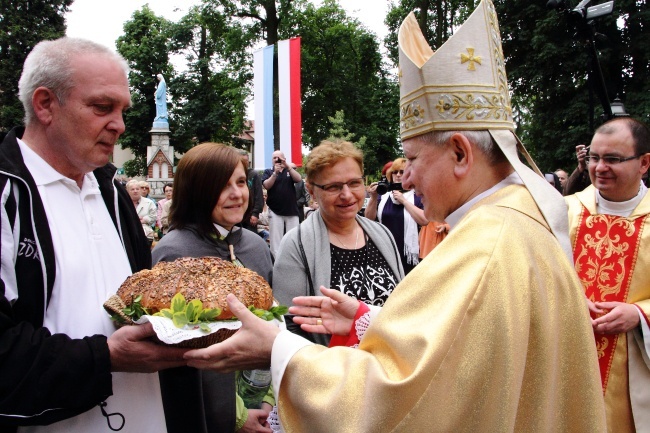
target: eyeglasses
<point>337,187</point>
<point>398,172</point>
<point>609,160</point>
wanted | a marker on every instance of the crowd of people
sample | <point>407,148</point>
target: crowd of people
<point>470,296</point>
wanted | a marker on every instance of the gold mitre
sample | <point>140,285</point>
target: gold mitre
<point>462,86</point>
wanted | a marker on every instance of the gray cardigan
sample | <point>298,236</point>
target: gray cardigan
<point>289,274</point>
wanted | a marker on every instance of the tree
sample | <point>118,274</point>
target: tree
<point>548,67</point>
<point>338,129</point>
<point>437,19</point>
<point>265,18</point>
<point>23,24</point>
<point>342,69</point>
<point>213,90</point>
<point>266,15</point>
<point>145,47</point>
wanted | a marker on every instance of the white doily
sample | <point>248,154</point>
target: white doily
<point>168,333</point>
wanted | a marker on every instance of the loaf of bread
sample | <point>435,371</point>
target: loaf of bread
<point>208,279</point>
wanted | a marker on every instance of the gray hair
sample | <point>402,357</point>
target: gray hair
<point>481,139</point>
<point>50,64</point>
<point>131,183</point>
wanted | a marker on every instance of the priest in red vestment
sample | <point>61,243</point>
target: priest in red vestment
<point>610,232</point>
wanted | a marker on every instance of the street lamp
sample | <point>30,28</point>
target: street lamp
<point>618,109</point>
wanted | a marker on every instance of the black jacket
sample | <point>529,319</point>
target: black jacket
<point>255,189</point>
<point>45,378</point>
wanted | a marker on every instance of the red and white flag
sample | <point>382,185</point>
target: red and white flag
<point>289,95</point>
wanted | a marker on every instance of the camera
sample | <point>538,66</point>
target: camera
<point>278,160</point>
<point>383,186</point>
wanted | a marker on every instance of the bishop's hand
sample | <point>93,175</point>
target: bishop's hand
<point>330,314</point>
<point>248,349</point>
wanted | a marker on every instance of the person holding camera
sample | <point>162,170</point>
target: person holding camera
<point>579,179</point>
<point>400,211</point>
<point>281,198</point>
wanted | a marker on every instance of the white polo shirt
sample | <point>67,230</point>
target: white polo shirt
<point>91,264</point>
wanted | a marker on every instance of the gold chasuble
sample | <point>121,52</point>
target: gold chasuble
<point>612,258</point>
<point>489,333</point>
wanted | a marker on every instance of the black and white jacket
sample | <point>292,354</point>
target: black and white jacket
<point>45,378</point>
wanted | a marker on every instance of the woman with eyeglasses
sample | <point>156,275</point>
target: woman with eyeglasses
<point>401,212</point>
<point>335,247</point>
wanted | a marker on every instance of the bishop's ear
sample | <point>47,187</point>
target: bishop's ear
<point>464,153</point>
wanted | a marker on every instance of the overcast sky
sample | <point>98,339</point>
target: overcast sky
<point>102,21</point>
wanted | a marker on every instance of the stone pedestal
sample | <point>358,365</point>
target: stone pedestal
<point>160,159</point>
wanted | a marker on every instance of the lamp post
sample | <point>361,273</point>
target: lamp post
<point>618,109</point>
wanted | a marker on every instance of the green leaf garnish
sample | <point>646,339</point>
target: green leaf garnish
<point>165,312</point>
<point>209,315</point>
<point>193,310</point>
<point>183,313</point>
<point>178,303</point>
<point>180,319</point>
<point>270,314</point>
<point>133,311</point>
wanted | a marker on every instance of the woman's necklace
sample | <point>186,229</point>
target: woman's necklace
<point>356,240</point>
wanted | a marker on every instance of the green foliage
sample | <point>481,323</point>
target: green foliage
<point>547,69</point>
<point>342,70</point>
<point>134,311</point>
<point>135,167</point>
<point>270,314</point>
<point>213,90</point>
<point>184,313</point>
<point>437,19</point>
<point>23,23</point>
<point>338,129</point>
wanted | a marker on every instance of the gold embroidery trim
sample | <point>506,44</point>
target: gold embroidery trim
<point>472,107</point>
<point>411,115</point>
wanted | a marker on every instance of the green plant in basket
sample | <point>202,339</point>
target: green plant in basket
<point>134,311</point>
<point>270,314</point>
<point>191,313</point>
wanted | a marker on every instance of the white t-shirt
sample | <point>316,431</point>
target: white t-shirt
<point>91,263</point>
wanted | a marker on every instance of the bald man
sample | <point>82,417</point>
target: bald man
<point>281,200</point>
